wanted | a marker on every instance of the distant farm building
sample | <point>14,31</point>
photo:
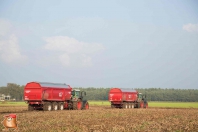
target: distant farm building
<point>4,97</point>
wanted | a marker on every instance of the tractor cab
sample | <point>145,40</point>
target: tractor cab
<point>141,97</point>
<point>77,94</point>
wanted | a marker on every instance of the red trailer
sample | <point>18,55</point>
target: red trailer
<point>53,96</point>
<point>126,98</point>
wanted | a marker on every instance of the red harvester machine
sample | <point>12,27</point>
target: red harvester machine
<point>126,98</point>
<point>53,96</point>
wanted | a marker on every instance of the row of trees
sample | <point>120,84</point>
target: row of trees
<point>152,94</point>
<point>14,90</point>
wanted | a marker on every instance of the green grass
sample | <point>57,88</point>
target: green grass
<point>103,103</point>
<point>155,104</point>
<point>13,104</point>
<point>107,103</point>
<point>174,104</point>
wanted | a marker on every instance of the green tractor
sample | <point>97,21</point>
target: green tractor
<point>141,101</point>
<point>78,100</point>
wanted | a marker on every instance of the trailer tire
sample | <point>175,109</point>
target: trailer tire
<point>47,106</point>
<point>54,106</point>
<point>112,106</point>
<point>129,105</point>
<point>60,106</point>
<point>30,107</point>
<point>125,106</point>
<point>132,106</point>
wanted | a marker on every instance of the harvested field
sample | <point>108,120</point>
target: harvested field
<point>104,119</point>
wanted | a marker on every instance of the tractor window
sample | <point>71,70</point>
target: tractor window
<point>77,93</point>
<point>73,93</point>
<point>139,95</point>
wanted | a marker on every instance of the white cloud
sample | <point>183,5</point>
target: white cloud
<point>63,43</point>
<point>10,52</point>
<point>87,25</point>
<point>9,48</point>
<point>191,27</point>
<point>71,51</point>
<point>5,27</point>
<point>65,59</point>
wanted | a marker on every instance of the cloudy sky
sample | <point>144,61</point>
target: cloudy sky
<point>114,43</point>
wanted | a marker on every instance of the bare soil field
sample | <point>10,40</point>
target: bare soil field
<point>104,119</point>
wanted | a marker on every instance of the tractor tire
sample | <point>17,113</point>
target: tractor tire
<point>30,107</point>
<point>47,106</point>
<point>138,105</point>
<point>142,105</point>
<point>54,106</point>
<point>60,106</point>
<point>77,105</point>
<point>146,105</point>
<point>74,105</point>
<point>86,106</point>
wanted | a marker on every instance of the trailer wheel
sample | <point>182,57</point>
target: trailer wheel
<point>125,106</point>
<point>132,105</point>
<point>30,107</point>
<point>47,106</point>
<point>112,106</point>
<point>129,105</point>
<point>60,106</point>
<point>54,106</point>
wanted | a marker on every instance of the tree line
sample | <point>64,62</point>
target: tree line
<point>152,94</point>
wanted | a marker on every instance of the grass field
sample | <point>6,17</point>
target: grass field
<point>107,103</point>
<point>156,104</point>
<point>174,104</point>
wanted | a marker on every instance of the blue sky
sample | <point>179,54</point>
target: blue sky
<point>130,44</point>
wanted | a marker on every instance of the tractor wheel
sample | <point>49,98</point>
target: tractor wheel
<point>30,107</point>
<point>138,105</point>
<point>77,105</point>
<point>86,107</point>
<point>74,105</point>
<point>142,105</point>
<point>60,106</point>
<point>47,106</point>
<point>54,106</point>
<point>146,105</point>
